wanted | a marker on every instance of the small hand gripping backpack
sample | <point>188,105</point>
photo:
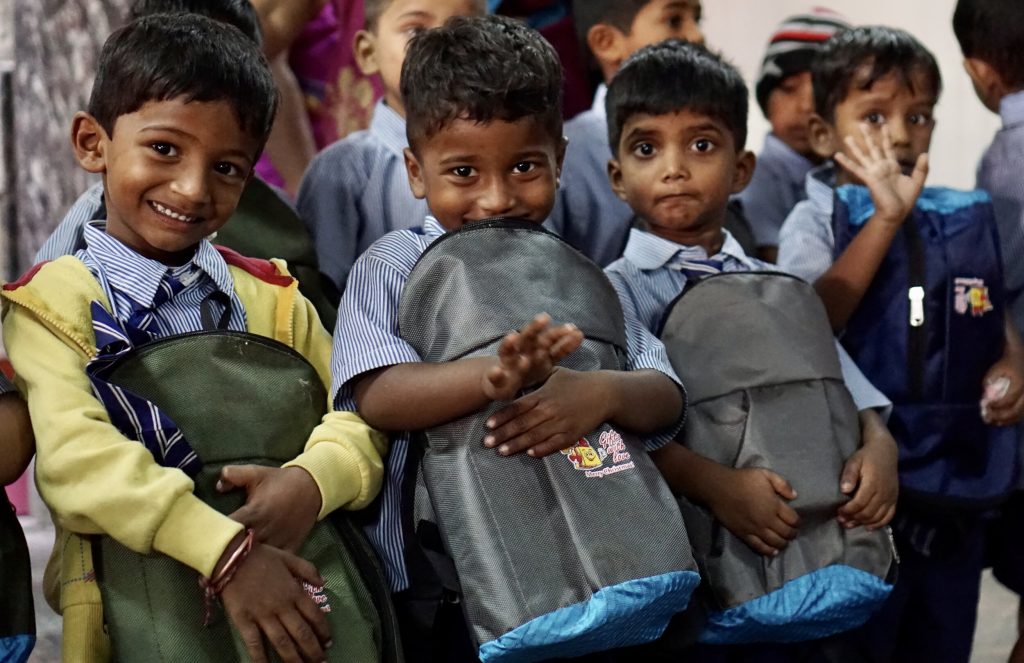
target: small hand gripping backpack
<point>578,552</point>
<point>766,391</point>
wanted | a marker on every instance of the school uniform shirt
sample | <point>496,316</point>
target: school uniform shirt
<point>367,338</point>
<point>774,190</point>
<point>999,174</point>
<point>357,190</point>
<point>67,237</point>
<point>647,285</point>
<point>806,241</point>
<point>587,213</point>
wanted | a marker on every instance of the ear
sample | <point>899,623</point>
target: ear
<point>822,135</point>
<point>745,164</point>
<point>89,140</point>
<point>607,44</point>
<point>615,178</point>
<point>364,47</point>
<point>560,158</point>
<point>988,84</point>
<point>415,173</point>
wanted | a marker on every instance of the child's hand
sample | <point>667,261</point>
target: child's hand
<point>281,504</point>
<point>1008,408</point>
<point>265,598</point>
<point>893,192</point>
<point>528,356</point>
<point>567,407</point>
<point>752,505</point>
<point>870,477</point>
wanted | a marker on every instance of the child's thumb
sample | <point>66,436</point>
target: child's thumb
<point>781,486</point>
<point>851,474</point>
<point>237,476</point>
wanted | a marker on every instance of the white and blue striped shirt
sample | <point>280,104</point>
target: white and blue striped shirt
<point>806,242</point>
<point>356,191</point>
<point>67,237</point>
<point>647,286</point>
<point>999,173</point>
<point>131,280</point>
<point>367,337</point>
<point>774,190</point>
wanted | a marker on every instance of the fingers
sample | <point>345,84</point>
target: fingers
<point>567,341</point>
<point>860,500</point>
<point>887,150</point>
<point>759,546</point>
<point>239,476</point>
<point>299,631</point>
<point>780,485</point>
<point>851,165</point>
<point>872,144</point>
<point>512,412</point>
<point>302,569</point>
<point>531,333</point>
<point>281,641</point>
<point>252,638</point>
<point>788,516</point>
<point>851,473</point>
<point>920,173</point>
<point>316,620</point>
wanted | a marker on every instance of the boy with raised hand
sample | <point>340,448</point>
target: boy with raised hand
<point>179,112</point>
<point>356,190</point>
<point>911,276</point>
<point>485,140</point>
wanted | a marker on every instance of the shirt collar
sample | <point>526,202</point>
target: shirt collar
<point>599,97</point>
<point>796,164</point>
<point>820,184</point>
<point>432,228</point>
<point>389,127</point>
<point>650,252</point>
<point>1011,109</point>
<point>138,277</point>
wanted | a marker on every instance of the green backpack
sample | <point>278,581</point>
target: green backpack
<point>153,604</point>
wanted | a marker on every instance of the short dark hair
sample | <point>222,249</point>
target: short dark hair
<point>993,31</point>
<point>239,13</point>
<point>672,76</point>
<point>617,13</point>
<point>860,56</point>
<point>167,56</point>
<point>480,68</point>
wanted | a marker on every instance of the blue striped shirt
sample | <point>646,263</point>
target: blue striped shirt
<point>128,277</point>
<point>806,242</point>
<point>999,173</point>
<point>357,190</point>
<point>774,190</point>
<point>367,338</point>
<point>647,286</point>
<point>587,213</point>
<point>67,237</point>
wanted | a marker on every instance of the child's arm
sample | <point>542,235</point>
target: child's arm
<point>751,503</point>
<point>1008,409</point>
<point>843,286</point>
<point>17,444</point>
<point>869,476</point>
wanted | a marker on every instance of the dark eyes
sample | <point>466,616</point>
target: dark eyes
<point>226,168</point>
<point>703,145</point>
<point>874,118</point>
<point>524,167</point>
<point>164,149</point>
<point>643,149</point>
<point>462,171</point>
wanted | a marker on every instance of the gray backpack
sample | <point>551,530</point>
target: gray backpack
<point>583,550</point>
<point>757,355</point>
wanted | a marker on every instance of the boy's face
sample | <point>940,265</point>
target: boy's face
<point>656,21</point>
<point>677,171</point>
<point>172,173</point>
<point>790,106</point>
<point>469,171</point>
<point>382,51</point>
<point>905,109</point>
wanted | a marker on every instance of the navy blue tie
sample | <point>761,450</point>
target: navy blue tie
<point>142,318</point>
<point>696,269</point>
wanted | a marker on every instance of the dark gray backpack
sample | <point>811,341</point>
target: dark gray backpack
<point>584,550</point>
<point>763,377</point>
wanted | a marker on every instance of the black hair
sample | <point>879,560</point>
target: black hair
<point>993,31</point>
<point>167,56</point>
<point>617,13</point>
<point>480,68</point>
<point>239,13</point>
<point>672,76</point>
<point>860,56</point>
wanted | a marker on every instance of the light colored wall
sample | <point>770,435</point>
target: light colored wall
<point>740,29</point>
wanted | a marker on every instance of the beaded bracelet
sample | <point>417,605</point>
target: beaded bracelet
<point>212,587</point>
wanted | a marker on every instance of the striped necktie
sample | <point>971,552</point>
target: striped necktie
<point>696,269</point>
<point>142,317</point>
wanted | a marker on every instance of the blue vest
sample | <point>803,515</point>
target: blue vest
<point>926,332</point>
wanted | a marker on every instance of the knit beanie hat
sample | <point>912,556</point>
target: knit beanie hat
<point>792,47</point>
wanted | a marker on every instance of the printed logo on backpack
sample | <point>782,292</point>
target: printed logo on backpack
<point>545,549</point>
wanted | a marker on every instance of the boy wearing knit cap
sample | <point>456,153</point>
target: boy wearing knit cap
<point>784,94</point>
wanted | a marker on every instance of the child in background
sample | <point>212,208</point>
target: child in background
<point>180,109</point>
<point>587,213</point>
<point>357,190</point>
<point>875,90</point>
<point>785,97</point>
<point>991,35</point>
<point>485,136</point>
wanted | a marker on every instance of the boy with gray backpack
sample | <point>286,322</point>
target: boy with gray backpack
<point>771,449</point>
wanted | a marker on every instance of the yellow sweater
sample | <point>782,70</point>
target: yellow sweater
<point>96,481</point>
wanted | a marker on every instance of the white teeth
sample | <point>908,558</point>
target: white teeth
<point>174,215</point>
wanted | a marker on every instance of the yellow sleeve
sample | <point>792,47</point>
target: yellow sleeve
<point>343,454</point>
<point>95,480</point>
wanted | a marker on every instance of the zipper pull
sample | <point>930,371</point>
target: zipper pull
<point>916,295</point>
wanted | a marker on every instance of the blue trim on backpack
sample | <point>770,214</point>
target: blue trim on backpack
<point>630,613</point>
<point>830,600</point>
<point>940,200</point>
<point>16,648</point>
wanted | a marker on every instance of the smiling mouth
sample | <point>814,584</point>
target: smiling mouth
<point>171,214</point>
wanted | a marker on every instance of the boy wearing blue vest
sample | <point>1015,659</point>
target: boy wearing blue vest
<point>911,277</point>
<point>180,110</point>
